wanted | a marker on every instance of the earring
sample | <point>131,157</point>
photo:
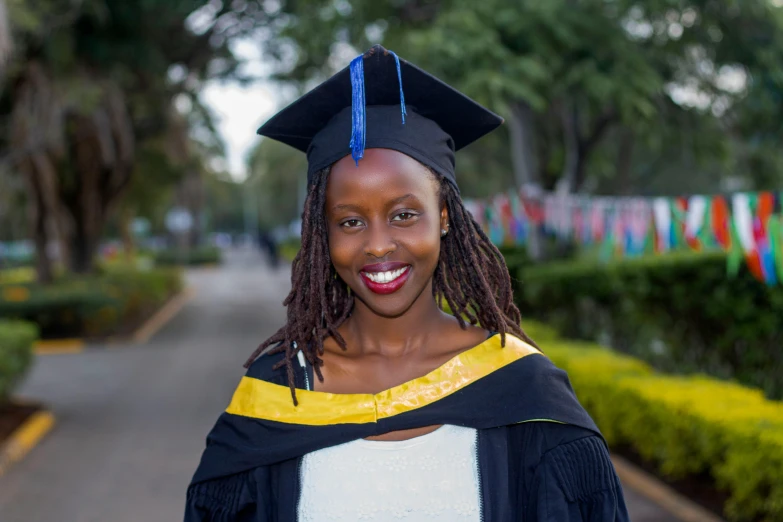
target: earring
<point>443,232</point>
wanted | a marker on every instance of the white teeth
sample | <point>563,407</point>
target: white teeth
<point>385,277</point>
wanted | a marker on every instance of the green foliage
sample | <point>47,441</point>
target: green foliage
<point>222,199</point>
<point>654,72</point>
<point>90,92</point>
<point>289,248</point>
<point>680,312</point>
<point>90,306</point>
<point>192,256</point>
<point>16,353</point>
<point>278,178</point>
<point>686,425</point>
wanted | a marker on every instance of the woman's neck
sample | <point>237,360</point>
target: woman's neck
<point>369,333</point>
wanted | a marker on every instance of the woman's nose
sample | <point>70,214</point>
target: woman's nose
<point>380,242</point>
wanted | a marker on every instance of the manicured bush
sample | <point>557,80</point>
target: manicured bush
<point>686,425</point>
<point>16,353</point>
<point>289,248</point>
<point>90,306</point>
<point>679,312</point>
<point>191,257</point>
<point>23,274</point>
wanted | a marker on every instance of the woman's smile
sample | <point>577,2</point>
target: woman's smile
<point>385,278</point>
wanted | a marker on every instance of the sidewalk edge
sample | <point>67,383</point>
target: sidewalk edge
<point>25,438</point>
<point>661,494</point>
<point>145,332</point>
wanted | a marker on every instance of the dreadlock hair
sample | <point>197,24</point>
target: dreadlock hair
<point>471,276</point>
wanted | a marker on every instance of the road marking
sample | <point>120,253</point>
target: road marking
<point>162,316</point>
<point>25,438</point>
<point>58,346</point>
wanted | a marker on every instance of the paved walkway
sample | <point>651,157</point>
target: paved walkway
<point>132,419</point>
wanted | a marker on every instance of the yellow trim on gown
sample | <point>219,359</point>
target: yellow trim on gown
<point>260,399</point>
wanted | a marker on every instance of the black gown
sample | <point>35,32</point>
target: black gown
<point>540,456</point>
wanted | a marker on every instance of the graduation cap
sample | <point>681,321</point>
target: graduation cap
<point>381,101</point>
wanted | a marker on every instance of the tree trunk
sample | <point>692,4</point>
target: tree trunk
<point>6,43</point>
<point>524,157</point>
<point>43,264</point>
<point>589,143</point>
<point>195,204</point>
<point>523,148</point>
<point>83,248</point>
<point>35,121</point>
<point>39,224</point>
<point>625,160</point>
<point>128,242</point>
<point>571,143</point>
<point>102,150</point>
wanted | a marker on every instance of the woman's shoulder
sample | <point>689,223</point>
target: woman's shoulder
<point>270,366</point>
<point>567,470</point>
<point>544,436</point>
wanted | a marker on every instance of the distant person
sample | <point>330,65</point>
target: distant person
<point>370,402</point>
<point>268,245</point>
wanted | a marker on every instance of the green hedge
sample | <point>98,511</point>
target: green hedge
<point>289,248</point>
<point>94,306</point>
<point>679,312</point>
<point>192,257</point>
<point>686,425</point>
<point>16,353</point>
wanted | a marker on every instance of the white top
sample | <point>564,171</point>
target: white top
<point>430,478</point>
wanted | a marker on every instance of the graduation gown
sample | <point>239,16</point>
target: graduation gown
<point>540,456</point>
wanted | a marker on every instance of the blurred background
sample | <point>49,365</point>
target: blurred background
<point>145,230</point>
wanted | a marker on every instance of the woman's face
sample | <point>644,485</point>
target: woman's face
<point>384,219</point>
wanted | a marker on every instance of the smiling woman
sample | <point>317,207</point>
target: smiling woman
<point>384,221</point>
<point>371,402</point>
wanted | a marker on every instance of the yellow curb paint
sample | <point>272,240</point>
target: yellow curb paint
<point>25,438</point>
<point>58,346</point>
<point>661,494</point>
<point>162,316</point>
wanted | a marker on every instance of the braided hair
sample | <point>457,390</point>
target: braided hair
<point>471,277</point>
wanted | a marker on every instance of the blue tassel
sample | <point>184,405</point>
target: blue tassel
<point>399,78</point>
<point>358,105</point>
<point>358,113</point>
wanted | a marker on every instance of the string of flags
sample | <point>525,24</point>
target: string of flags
<point>747,225</point>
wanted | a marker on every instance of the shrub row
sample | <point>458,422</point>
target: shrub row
<point>191,257</point>
<point>93,306</point>
<point>16,353</point>
<point>289,248</point>
<point>686,425</point>
<point>680,312</point>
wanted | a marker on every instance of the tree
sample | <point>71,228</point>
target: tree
<point>278,175</point>
<point>570,74</point>
<point>87,89</point>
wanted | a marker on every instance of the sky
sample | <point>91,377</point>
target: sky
<point>240,110</point>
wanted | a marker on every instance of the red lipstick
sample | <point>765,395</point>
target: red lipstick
<point>386,287</point>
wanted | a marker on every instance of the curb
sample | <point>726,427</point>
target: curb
<point>25,438</point>
<point>58,346</point>
<point>145,332</point>
<point>661,494</point>
<point>141,335</point>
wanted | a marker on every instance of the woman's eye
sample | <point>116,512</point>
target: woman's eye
<point>350,223</point>
<point>403,216</point>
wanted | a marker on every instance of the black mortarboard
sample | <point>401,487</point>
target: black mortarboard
<point>381,101</point>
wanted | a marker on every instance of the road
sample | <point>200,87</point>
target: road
<point>131,419</point>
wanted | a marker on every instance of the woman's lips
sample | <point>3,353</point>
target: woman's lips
<point>386,282</point>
